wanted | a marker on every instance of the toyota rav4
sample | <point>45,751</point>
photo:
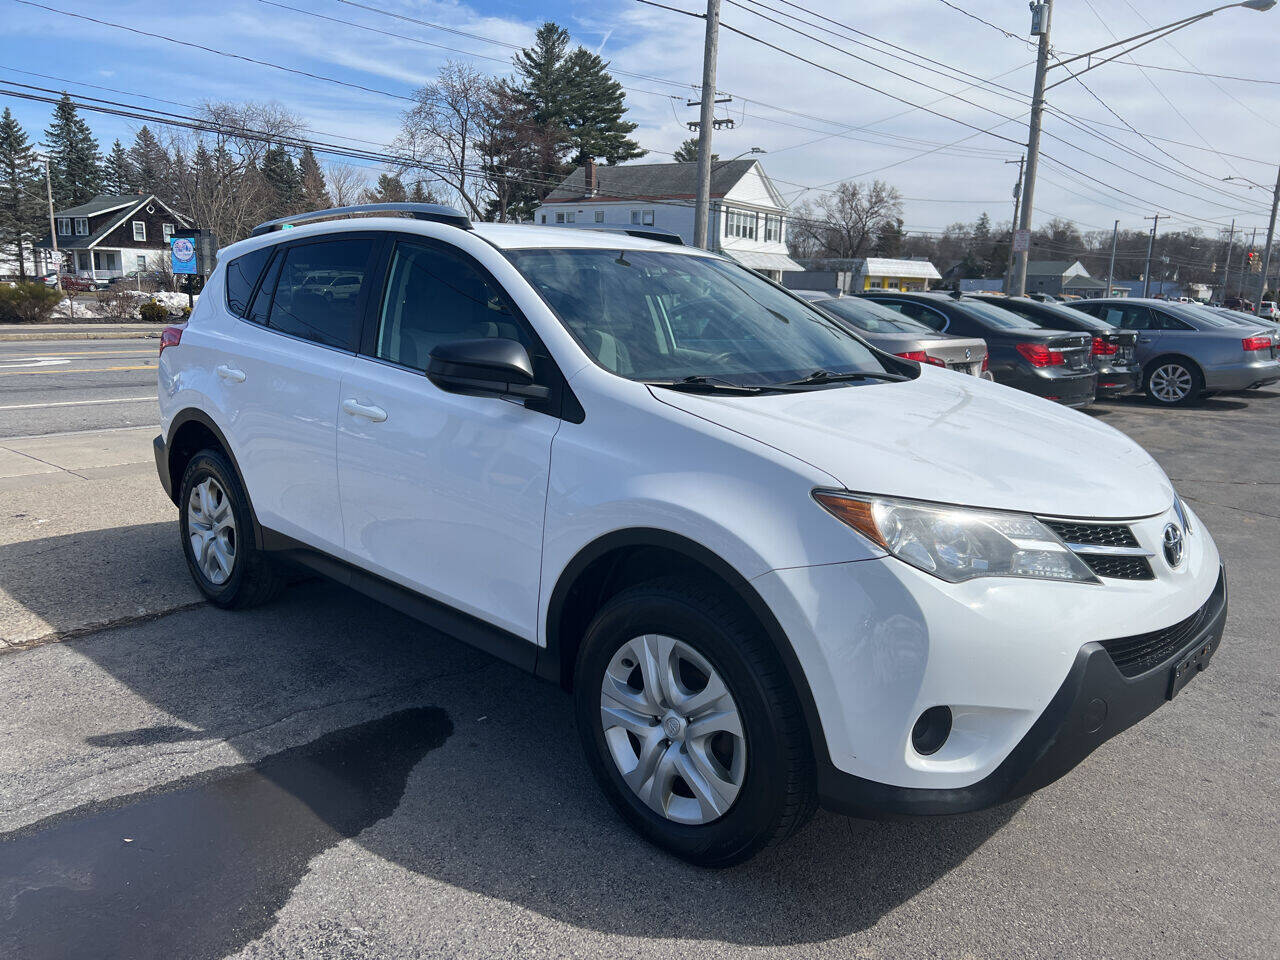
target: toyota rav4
<point>775,566</point>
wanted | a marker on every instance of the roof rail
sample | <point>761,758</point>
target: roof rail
<point>435,212</point>
<point>663,236</point>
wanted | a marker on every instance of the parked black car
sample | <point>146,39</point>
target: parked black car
<point>1113,350</point>
<point>1054,364</point>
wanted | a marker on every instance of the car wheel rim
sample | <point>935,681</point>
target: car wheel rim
<point>1171,383</point>
<point>673,729</point>
<point>211,527</point>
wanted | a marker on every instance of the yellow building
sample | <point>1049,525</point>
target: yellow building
<point>878,273</point>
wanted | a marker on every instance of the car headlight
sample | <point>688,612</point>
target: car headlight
<point>958,543</point>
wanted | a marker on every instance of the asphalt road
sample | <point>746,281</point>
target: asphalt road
<point>65,385</point>
<point>325,778</point>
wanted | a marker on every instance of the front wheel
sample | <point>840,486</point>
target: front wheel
<point>691,725</point>
<point>1174,383</point>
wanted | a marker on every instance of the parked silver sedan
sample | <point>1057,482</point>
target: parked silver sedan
<point>1186,350</point>
<point>894,333</point>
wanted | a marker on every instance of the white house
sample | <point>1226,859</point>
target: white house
<point>747,223</point>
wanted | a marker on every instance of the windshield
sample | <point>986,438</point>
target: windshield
<point>995,316</point>
<point>873,317</point>
<point>1045,312</point>
<point>656,316</point>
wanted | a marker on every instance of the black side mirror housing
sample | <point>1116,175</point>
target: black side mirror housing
<point>485,368</point>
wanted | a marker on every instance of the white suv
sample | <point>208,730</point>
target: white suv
<point>775,566</point>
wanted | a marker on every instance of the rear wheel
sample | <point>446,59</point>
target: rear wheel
<point>690,724</point>
<point>1172,382</point>
<point>218,536</point>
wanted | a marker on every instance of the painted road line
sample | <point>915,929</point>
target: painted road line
<point>47,371</point>
<point>16,362</point>
<point>73,403</point>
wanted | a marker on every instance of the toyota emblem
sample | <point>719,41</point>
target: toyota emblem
<point>1174,546</point>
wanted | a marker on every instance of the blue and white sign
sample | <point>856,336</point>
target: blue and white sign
<point>183,253</point>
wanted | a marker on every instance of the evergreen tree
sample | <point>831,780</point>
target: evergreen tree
<point>284,185</point>
<point>595,110</point>
<point>422,193</point>
<point>390,189</point>
<point>151,165</point>
<point>117,171</point>
<point>889,238</point>
<point>536,100</point>
<point>687,152</point>
<point>315,194</point>
<point>22,215</point>
<point>75,167</point>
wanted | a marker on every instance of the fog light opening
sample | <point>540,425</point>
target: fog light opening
<point>931,730</point>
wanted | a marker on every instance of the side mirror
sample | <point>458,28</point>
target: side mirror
<point>485,368</point>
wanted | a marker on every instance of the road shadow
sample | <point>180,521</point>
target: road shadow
<point>506,808</point>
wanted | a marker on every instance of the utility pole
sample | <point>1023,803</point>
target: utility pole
<point>1041,21</point>
<point>1111,273</point>
<point>1151,245</point>
<point>1017,205</point>
<point>1226,274</point>
<point>53,228</point>
<point>1271,236</point>
<point>702,210</point>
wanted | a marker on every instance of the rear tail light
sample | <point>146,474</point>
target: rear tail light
<point>1104,348</point>
<point>170,337</point>
<point>1038,355</point>
<point>1257,343</point>
<point>919,356</point>
<point>986,362</point>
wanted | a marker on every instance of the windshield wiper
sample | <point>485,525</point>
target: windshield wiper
<point>706,385</point>
<point>824,376</point>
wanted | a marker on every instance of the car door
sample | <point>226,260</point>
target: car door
<point>1138,318</point>
<point>443,493</point>
<point>282,380</point>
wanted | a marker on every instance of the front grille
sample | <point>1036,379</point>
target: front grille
<point>1138,654</point>
<point>1093,534</point>
<point>1118,568</point>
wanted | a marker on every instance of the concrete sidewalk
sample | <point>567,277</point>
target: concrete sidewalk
<point>78,331</point>
<point>87,536</point>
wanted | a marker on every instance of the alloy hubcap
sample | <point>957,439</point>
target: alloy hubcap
<point>1171,383</point>
<point>673,729</point>
<point>211,525</point>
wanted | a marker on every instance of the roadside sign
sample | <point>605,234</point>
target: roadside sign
<point>183,255</point>
<point>1021,241</point>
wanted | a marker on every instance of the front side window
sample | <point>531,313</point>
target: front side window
<point>657,316</point>
<point>139,230</point>
<point>435,297</point>
<point>313,300</point>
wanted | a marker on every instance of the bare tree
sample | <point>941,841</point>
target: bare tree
<point>843,224</point>
<point>443,128</point>
<point>346,183</point>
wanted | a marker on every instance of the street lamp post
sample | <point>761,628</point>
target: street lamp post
<point>1041,24</point>
<point>1271,233</point>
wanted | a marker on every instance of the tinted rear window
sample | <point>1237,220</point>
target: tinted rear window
<point>995,316</point>
<point>242,276</point>
<point>872,317</point>
<point>309,304</point>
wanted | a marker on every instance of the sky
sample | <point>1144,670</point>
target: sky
<point>1126,143</point>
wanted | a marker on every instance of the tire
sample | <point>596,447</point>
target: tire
<point>764,771</point>
<point>211,492</point>
<point>1173,382</point>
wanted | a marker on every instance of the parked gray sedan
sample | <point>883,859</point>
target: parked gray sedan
<point>895,333</point>
<point>1186,350</point>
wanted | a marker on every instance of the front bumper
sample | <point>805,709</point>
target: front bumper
<point>1094,703</point>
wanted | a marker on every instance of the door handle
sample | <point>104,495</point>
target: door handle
<point>366,410</point>
<point>1145,339</point>
<point>230,373</point>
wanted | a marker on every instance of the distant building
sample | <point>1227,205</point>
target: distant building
<point>747,217</point>
<point>111,236</point>
<point>1063,276</point>
<point>860,275</point>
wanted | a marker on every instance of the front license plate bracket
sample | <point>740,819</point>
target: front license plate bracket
<point>1190,665</point>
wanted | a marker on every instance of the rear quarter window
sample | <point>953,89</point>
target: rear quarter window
<point>242,276</point>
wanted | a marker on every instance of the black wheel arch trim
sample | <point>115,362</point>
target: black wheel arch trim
<point>550,665</point>
<point>174,485</point>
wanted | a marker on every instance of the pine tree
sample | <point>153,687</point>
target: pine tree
<point>315,194</point>
<point>117,171</point>
<point>687,152</point>
<point>151,165</point>
<point>390,189</point>
<point>422,193</point>
<point>21,212</point>
<point>535,104</point>
<point>75,167</point>
<point>595,110</point>
<point>284,186</point>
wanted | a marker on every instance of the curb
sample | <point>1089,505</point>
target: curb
<point>84,335</point>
